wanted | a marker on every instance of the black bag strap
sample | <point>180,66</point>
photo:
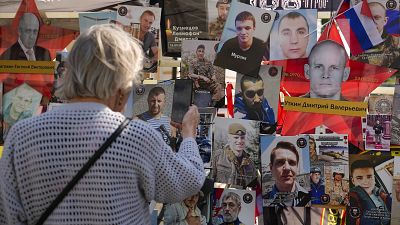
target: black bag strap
<point>82,172</point>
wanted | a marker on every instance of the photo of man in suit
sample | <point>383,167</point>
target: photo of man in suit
<point>25,48</point>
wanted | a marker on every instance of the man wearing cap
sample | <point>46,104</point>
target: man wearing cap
<point>340,188</point>
<point>232,164</point>
<point>317,186</point>
<point>215,28</point>
<point>185,212</point>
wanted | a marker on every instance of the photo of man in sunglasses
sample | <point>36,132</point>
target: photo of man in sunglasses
<point>250,102</point>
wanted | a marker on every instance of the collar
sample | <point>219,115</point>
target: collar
<point>232,157</point>
<point>24,48</point>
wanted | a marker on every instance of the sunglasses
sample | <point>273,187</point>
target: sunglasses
<point>252,94</point>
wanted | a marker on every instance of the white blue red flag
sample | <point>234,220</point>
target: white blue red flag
<point>358,28</point>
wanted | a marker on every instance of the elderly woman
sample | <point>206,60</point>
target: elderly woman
<point>43,153</point>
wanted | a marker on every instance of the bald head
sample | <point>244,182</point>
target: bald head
<point>28,29</point>
<point>328,44</point>
<point>326,70</point>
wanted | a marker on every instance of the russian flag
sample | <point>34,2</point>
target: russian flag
<point>358,28</point>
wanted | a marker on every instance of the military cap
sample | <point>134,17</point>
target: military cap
<point>315,170</point>
<point>223,2</point>
<point>236,128</point>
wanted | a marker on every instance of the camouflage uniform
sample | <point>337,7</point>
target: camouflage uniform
<point>215,29</point>
<point>385,54</point>
<point>206,68</point>
<point>227,168</point>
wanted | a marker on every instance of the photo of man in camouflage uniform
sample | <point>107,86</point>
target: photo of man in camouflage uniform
<point>216,27</point>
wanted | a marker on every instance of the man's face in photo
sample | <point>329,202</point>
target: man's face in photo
<point>326,71</point>
<point>200,53</point>
<point>230,210</point>
<point>379,15</point>
<point>244,31</point>
<point>338,177</point>
<point>156,104</point>
<point>237,143</point>
<point>365,178</point>
<point>146,21</point>
<point>22,100</point>
<point>284,168</point>
<point>253,93</point>
<point>223,10</point>
<point>28,30</point>
<point>315,177</point>
<point>293,37</point>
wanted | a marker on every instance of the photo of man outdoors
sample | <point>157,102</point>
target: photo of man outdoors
<point>317,185</point>
<point>326,70</point>
<point>232,164</point>
<point>25,48</point>
<point>216,27</point>
<point>244,51</point>
<point>148,39</point>
<point>154,115</point>
<point>206,85</point>
<point>284,167</point>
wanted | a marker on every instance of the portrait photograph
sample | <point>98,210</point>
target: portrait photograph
<point>143,23</point>
<point>370,181</point>
<point>293,34</point>
<point>336,185</point>
<point>233,206</point>
<point>197,64</point>
<point>235,140</point>
<point>88,19</point>
<point>217,14</point>
<point>243,40</point>
<point>285,166</point>
<point>352,81</point>
<point>257,98</point>
<point>378,130</point>
<point>20,103</point>
<point>29,38</point>
<point>152,103</point>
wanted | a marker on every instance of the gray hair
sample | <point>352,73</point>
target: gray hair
<point>103,59</point>
<point>233,196</point>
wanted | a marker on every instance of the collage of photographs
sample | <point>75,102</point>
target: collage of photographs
<point>308,134</point>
